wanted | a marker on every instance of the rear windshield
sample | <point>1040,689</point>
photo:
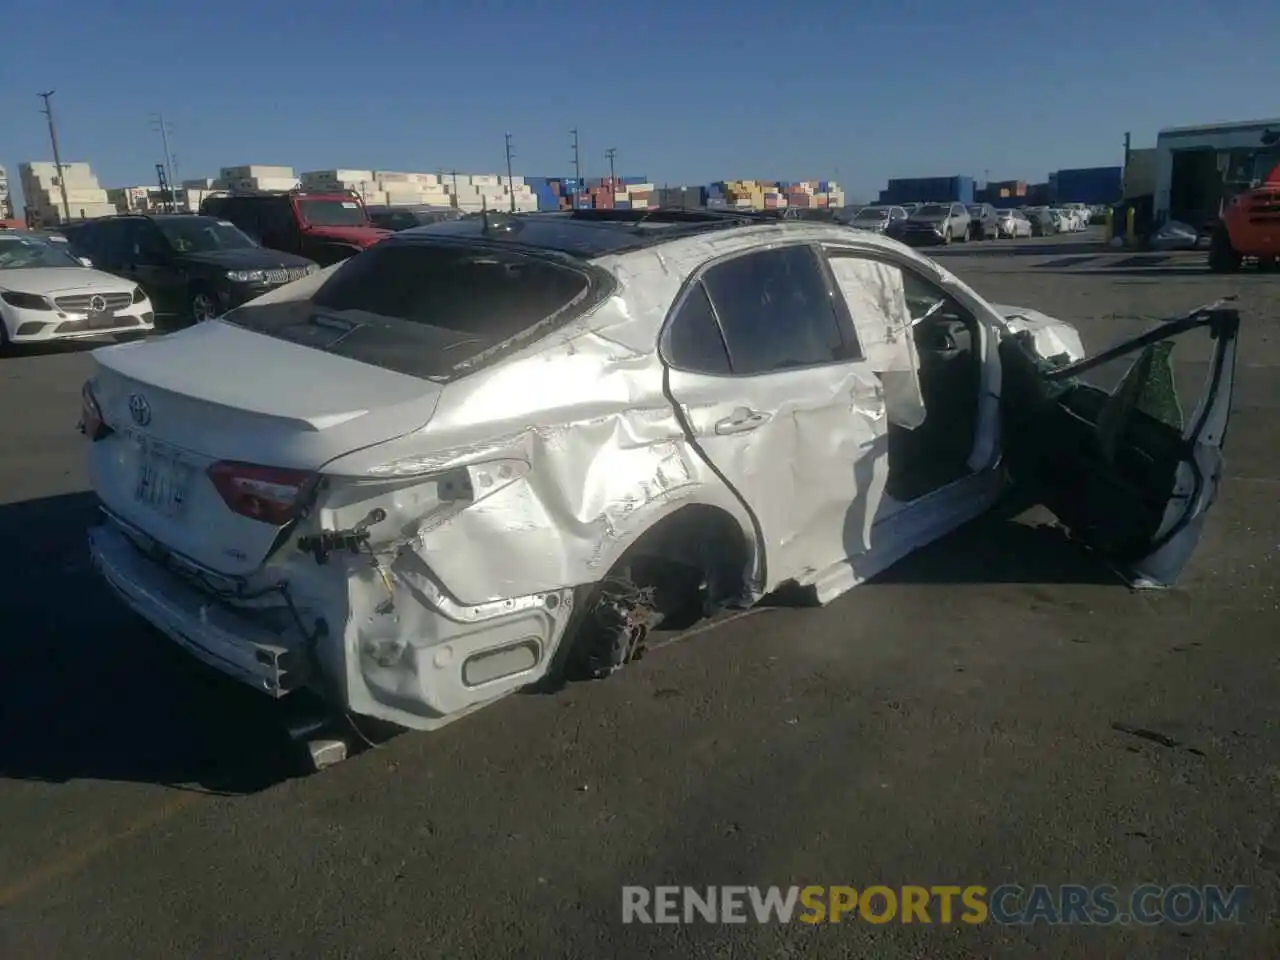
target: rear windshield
<point>426,310</point>
<point>332,213</point>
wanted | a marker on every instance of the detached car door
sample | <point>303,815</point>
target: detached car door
<point>1125,468</point>
<point>764,365</point>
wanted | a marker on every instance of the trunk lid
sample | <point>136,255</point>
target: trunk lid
<point>217,392</point>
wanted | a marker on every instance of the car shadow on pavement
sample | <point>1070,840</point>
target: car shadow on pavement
<point>1022,248</point>
<point>58,347</point>
<point>89,691</point>
<point>1000,547</point>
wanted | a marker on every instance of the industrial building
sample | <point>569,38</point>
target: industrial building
<point>1140,173</point>
<point>1198,168</point>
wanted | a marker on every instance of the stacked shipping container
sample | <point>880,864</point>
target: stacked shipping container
<point>43,193</point>
<point>929,190</point>
<point>1003,193</point>
<point>1096,185</point>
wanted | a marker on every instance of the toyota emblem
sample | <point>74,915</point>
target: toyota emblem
<point>98,303</point>
<point>139,409</point>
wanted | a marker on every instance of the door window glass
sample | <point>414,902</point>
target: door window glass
<point>775,310</point>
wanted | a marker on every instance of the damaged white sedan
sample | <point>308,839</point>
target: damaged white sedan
<point>500,449</point>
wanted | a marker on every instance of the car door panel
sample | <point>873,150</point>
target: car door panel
<point>799,447</point>
<point>798,444</point>
<point>1119,467</point>
<point>152,267</point>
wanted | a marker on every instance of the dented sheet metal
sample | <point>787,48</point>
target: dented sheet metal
<point>439,562</point>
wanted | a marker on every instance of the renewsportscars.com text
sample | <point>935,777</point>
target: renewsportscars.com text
<point>1147,904</point>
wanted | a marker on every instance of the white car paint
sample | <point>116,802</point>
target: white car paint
<point>1014,224</point>
<point>495,502</point>
<point>40,304</point>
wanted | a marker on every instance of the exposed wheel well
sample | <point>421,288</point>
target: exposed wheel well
<point>676,572</point>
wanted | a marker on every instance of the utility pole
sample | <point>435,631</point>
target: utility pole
<point>577,165</point>
<point>57,156</point>
<point>1124,171</point>
<point>454,198</point>
<point>611,154</point>
<point>164,129</point>
<point>511,188</point>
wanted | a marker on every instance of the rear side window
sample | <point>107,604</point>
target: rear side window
<point>427,310</point>
<point>694,341</point>
<point>776,311</point>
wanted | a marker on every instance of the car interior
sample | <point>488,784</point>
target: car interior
<point>947,341</point>
<point>1103,461</point>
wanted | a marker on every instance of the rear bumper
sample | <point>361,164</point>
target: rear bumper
<point>421,664</point>
<point>209,631</point>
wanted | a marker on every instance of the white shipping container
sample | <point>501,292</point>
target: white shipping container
<point>337,176</point>
<point>82,211</point>
<point>482,180</point>
<point>46,169</point>
<point>640,188</point>
<point>205,183</point>
<point>265,183</point>
<point>54,196</point>
<point>257,172</point>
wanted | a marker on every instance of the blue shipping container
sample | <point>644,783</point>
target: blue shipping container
<point>929,190</point>
<point>1095,185</point>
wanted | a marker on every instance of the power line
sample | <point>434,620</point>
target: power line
<point>57,156</point>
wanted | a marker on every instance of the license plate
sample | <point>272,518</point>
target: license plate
<point>163,480</point>
<point>100,320</point>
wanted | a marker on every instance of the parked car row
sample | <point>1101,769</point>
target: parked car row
<point>929,223</point>
<point>322,488</point>
<point>193,268</point>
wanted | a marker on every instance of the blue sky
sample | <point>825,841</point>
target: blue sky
<point>687,92</point>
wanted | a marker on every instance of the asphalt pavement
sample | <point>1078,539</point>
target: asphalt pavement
<point>996,709</point>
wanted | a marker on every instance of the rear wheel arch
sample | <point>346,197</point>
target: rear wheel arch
<point>655,577</point>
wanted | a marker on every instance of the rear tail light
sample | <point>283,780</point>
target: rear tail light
<point>91,422</point>
<point>270,494</point>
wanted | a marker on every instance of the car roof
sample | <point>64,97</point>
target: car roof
<point>588,234</point>
<point>604,234</point>
<point>152,217</point>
